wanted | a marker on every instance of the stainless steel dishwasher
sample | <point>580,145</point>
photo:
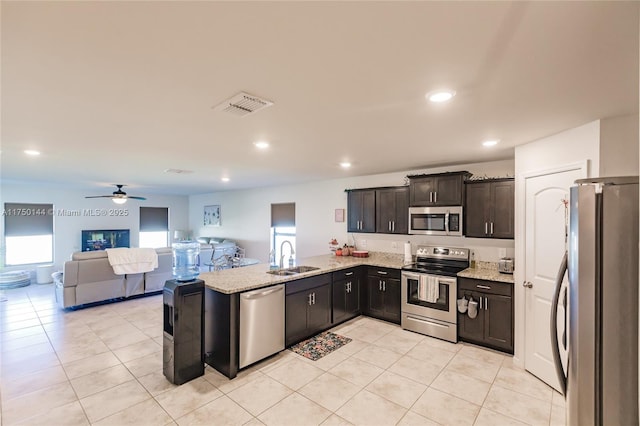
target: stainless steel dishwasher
<point>261,324</point>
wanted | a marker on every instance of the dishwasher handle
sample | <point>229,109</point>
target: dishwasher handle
<point>249,295</point>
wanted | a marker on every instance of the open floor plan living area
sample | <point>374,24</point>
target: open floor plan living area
<point>369,213</point>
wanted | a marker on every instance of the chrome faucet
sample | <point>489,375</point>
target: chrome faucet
<point>282,252</point>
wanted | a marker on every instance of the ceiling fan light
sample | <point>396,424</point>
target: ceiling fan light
<point>119,200</point>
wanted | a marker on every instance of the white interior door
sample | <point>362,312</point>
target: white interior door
<point>544,247</point>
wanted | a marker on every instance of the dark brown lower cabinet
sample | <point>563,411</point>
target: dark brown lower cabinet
<point>382,294</point>
<point>346,294</point>
<point>493,325</point>
<point>307,307</point>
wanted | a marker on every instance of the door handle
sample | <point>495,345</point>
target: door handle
<point>435,197</point>
<point>380,285</point>
<point>486,287</point>
<point>393,226</point>
<point>313,297</point>
<point>348,273</point>
<point>480,302</point>
<point>527,284</point>
<point>486,228</point>
<point>309,301</point>
<point>384,286</point>
<point>382,273</point>
<point>491,228</point>
<point>389,225</point>
<point>431,197</point>
<point>486,304</point>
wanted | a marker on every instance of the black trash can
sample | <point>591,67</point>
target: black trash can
<point>183,337</point>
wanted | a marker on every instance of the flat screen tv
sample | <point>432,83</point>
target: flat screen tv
<point>100,239</point>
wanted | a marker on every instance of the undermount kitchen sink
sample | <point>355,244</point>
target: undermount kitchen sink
<point>293,271</point>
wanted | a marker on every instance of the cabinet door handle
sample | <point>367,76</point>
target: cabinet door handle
<point>348,273</point>
<point>384,286</point>
<point>481,303</point>
<point>486,304</point>
<point>486,287</point>
<point>314,297</point>
<point>431,197</point>
<point>380,285</point>
<point>382,273</point>
<point>393,226</point>
<point>486,228</point>
<point>491,228</point>
<point>435,197</point>
<point>389,226</point>
<point>309,299</point>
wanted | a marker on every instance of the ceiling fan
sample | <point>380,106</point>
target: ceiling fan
<point>118,197</point>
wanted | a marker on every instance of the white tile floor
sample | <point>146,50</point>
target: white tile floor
<point>103,366</point>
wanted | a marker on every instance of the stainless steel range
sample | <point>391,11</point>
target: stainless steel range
<point>429,291</point>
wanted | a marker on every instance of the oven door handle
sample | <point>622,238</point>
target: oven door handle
<point>411,275</point>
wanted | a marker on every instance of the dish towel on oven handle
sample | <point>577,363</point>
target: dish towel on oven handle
<point>429,289</point>
<point>433,289</point>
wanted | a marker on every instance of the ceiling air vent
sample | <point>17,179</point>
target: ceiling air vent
<point>179,171</point>
<point>243,104</point>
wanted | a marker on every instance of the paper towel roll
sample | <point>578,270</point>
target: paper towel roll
<point>407,253</point>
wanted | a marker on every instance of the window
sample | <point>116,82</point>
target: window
<point>28,230</point>
<point>154,227</point>
<point>283,228</point>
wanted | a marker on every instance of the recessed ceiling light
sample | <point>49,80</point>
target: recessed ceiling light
<point>490,143</point>
<point>31,152</point>
<point>345,164</point>
<point>440,95</point>
<point>225,179</point>
<point>262,145</point>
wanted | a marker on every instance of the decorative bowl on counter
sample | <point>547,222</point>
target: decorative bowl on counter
<point>360,253</point>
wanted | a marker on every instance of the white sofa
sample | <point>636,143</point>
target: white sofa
<point>88,277</point>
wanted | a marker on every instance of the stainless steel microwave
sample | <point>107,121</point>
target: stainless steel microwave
<point>436,220</point>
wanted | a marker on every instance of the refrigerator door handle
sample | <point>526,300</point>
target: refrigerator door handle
<point>566,314</point>
<point>555,345</point>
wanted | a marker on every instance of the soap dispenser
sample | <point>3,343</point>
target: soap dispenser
<point>272,260</point>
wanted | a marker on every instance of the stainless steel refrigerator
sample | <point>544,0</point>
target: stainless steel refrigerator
<point>600,325</point>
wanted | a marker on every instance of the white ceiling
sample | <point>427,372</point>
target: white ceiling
<point>118,92</point>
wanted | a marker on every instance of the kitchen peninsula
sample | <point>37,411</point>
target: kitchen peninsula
<point>224,288</point>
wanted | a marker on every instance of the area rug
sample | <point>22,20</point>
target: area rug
<point>320,345</point>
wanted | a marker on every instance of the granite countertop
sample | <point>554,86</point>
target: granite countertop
<point>486,271</point>
<point>230,281</point>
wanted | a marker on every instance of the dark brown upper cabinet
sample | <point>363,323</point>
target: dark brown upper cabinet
<point>489,208</point>
<point>361,210</point>
<point>392,210</point>
<point>443,189</point>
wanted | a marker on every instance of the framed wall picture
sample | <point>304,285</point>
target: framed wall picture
<point>339,215</point>
<point>212,215</point>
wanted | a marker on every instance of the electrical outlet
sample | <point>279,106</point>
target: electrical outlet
<point>362,243</point>
<point>502,252</point>
<point>394,245</point>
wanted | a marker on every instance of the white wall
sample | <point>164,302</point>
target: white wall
<point>246,215</point>
<point>67,229</point>
<point>619,146</point>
